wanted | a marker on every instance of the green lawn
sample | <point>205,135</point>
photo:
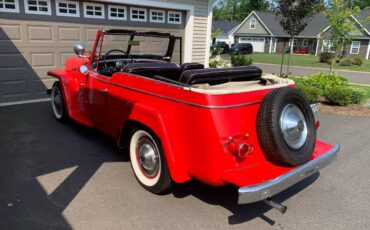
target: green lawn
<point>367,88</point>
<point>305,61</point>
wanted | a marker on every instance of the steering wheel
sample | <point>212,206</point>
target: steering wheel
<point>116,50</point>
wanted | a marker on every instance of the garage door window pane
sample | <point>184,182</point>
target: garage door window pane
<point>92,10</point>
<point>67,8</point>
<point>138,14</point>
<point>117,12</point>
<point>174,17</point>
<point>38,7</point>
<point>10,6</point>
<point>157,16</point>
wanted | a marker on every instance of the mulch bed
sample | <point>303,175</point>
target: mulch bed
<point>348,110</point>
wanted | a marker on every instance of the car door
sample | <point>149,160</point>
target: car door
<point>95,89</point>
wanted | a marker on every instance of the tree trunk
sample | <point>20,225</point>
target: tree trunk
<point>290,54</point>
<point>282,60</point>
<point>332,65</point>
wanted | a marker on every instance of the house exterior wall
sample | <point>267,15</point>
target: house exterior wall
<point>245,29</point>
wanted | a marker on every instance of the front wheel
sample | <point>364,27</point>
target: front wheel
<point>57,102</point>
<point>148,162</point>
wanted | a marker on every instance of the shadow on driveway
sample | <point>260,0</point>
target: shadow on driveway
<point>33,143</point>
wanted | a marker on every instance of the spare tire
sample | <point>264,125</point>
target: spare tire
<point>286,127</point>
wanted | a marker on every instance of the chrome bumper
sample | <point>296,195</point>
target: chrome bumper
<point>250,194</point>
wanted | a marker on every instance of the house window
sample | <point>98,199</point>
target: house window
<point>304,43</point>
<point>355,47</point>
<point>93,10</point>
<point>67,8</point>
<point>253,23</point>
<point>157,16</point>
<point>10,6</point>
<point>174,17</point>
<point>138,14</point>
<point>117,12</point>
<point>327,46</point>
<point>37,7</point>
<point>295,41</point>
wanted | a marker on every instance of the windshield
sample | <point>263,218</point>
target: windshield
<point>140,45</point>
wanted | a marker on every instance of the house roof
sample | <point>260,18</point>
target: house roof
<point>317,24</point>
<point>364,15</point>
<point>224,26</point>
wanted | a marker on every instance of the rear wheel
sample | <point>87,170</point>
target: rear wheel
<point>57,102</point>
<point>286,127</point>
<point>148,162</point>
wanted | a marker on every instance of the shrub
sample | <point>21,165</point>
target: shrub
<point>213,64</point>
<point>346,62</point>
<point>338,95</point>
<point>240,60</point>
<point>358,95</point>
<point>325,57</point>
<point>325,80</point>
<point>357,60</point>
<point>312,94</point>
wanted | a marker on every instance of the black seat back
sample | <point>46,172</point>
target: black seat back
<point>168,70</point>
<point>218,76</point>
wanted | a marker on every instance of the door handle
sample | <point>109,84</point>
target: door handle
<point>103,90</point>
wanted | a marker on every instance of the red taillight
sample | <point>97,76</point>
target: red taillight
<point>238,146</point>
<point>317,124</point>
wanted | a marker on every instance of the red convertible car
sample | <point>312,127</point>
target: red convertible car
<point>182,122</point>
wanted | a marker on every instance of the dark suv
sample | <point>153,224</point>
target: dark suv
<point>217,45</point>
<point>241,48</point>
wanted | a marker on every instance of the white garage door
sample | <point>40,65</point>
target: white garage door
<point>257,43</point>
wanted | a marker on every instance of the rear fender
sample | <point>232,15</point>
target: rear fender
<point>152,119</point>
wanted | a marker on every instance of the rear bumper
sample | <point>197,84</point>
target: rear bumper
<point>254,193</point>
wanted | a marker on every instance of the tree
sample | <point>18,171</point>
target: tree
<point>294,16</point>
<point>237,10</point>
<point>339,16</point>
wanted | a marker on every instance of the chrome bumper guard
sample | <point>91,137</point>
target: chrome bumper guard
<point>250,194</point>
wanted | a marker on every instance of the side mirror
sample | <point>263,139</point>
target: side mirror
<point>83,69</point>
<point>80,50</point>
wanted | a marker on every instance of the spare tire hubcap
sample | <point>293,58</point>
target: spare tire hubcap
<point>293,126</point>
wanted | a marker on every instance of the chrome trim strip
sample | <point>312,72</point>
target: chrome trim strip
<point>254,193</point>
<point>176,100</point>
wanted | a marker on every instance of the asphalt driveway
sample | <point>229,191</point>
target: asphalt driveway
<point>62,176</point>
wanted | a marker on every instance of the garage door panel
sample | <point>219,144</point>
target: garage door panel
<point>40,33</point>
<point>40,85</point>
<point>69,34</point>
<point>10,32</point>
<point>12,60</point>
<point>43,60</point>
<point>10,88</point>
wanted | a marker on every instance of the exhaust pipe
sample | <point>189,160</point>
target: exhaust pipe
<point>281,208</point>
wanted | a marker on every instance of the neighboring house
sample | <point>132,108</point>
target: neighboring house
<point>264,32</point>
<point>227,28</point>
<point>39,35</point>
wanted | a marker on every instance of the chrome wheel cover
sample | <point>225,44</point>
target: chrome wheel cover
<point>148,156</point>
<point>293,126</point>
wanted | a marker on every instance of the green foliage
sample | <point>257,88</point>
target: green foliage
<point>237,10</point>
<point>324,57</point>
<point>339,16</point>
<point>323,81</point>
<point>312,94</point>
<point>358,95</point>
<point>240,60</point>
<point>346,62</point>
<point>338,95</point>
<point>212,64</point>
<point>357,60</point>
<point>217,32</point>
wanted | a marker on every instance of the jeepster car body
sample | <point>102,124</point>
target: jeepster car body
<point>194,121</point>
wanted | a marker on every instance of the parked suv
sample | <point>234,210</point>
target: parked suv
<point>242,48</point>
<point>218,45</point>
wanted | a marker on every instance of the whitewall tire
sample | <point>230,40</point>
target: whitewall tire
<point>148,162</point>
